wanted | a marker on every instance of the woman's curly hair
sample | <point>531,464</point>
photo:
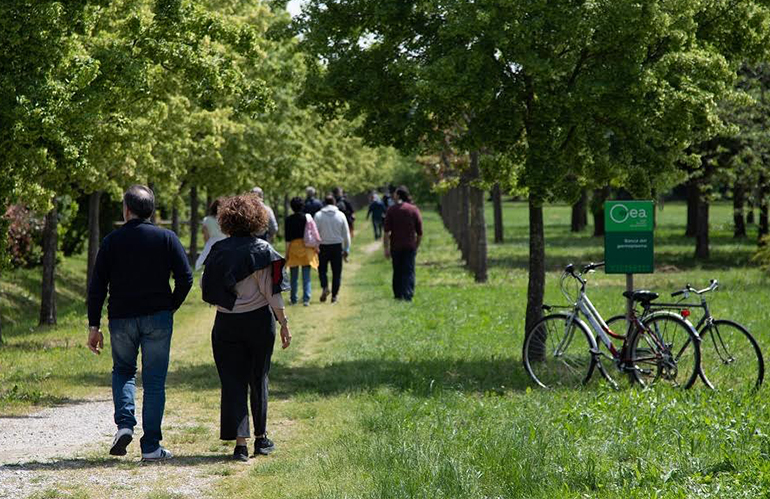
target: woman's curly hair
<point>242,215</point>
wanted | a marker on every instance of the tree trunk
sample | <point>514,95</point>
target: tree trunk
<point>175,219</point>
<point>739,198</point>
<point>597,208</point>
<point>536,285</point>
<point>762,202</point>
<point>193,224</point>
<point>463,221</point>
<point>48,288</point>
<point>750,213</point>
<point>693,199</point>
<point>702,232</point>
<point>579,215</point>
<point>497,202</point>
<point>477,233</point>
<point>94,237</point>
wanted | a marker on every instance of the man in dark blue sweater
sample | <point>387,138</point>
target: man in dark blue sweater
<point>135,263</point>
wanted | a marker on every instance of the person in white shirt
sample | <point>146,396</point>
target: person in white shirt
<point>212,234</point>
<point>272,223</point>
<point>335,245</point>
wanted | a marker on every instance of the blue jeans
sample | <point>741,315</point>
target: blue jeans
<point>294,271</point>
<point>151,333</point>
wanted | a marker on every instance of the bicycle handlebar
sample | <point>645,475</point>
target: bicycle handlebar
<point>593,266</point>
<point>714,284</point>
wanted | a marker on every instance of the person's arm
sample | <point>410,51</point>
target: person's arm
<point>418,228</point>
<point>345,235</point>
<point>180,269</point>
<point>272,225</point>
<point>264,278</point>
<point>206,234</point>
<point>386,229</point>
<point>97,293</point>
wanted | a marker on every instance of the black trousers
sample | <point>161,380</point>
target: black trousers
<point>377,224</point>
<point>243,345</point>
<point>330,254</point>
<point>403,273</point>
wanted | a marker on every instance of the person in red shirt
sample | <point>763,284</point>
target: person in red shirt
<point>403,233</point>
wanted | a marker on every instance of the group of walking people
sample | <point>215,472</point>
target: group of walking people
<point>244,278</point>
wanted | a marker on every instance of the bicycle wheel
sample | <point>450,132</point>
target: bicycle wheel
<point>618,324</point>
<point>730,356</point>
<point>557,352</point>
<point>666,350</point>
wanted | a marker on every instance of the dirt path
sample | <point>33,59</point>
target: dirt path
<point>61,451</point>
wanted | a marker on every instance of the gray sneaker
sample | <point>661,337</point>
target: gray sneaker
<point>159,455</point>
<point>122,438</point>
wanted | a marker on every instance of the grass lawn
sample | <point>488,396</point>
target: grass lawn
<point>379,399</point>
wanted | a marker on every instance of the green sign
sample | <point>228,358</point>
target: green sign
<point>628,237</point>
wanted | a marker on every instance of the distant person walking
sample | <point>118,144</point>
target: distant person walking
<point>335,245</point>
<point>312,204</point>
<point>403,234</point>
<point>377,212</point>
<point>212,234</point>
<point>134,263</point>
<point>272,224</point>
<point>345,207</point>
<point>301,230</point>
<point>244,278</point>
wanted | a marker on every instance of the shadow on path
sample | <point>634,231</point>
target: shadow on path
<point>102,463</point>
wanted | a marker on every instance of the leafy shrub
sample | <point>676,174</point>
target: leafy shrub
<point>25,232</point>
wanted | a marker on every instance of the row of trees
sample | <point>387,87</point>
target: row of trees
<point>197,99</point>
<point>554,97</point>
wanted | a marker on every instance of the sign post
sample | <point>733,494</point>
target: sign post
<point>628,240</point>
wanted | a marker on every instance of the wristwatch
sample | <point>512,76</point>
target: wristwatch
<point>285,322</point>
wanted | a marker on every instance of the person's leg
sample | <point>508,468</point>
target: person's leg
<point>306,284</point>
<point>336,263</point>
<point>232,357</point>
<point>155,337</point>
<point>323,266</point>
<point>124,343</point>
<point>263,334</point>
<point>396,260</point>
<point>409,274</point>
<point>294,274</point>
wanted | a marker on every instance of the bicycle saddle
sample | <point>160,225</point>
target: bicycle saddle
<point>641,295</point>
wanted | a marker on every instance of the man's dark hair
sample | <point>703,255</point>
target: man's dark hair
<point>337,192</point>
<point>329,200</point>
<point>403,194</point>
<point>140,200</point>
<point>297,204</point>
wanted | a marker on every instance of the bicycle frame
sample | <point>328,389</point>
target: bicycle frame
<point>585,306</point>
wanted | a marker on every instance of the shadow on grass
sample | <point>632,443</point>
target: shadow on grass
<point>97,463</point>
<point>416,377</point>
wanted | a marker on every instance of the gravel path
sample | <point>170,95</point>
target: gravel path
<point>64,448</point>
<point>55,432</point>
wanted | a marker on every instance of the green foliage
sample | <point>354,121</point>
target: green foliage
<point>572,91</point>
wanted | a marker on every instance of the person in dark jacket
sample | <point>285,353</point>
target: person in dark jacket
<point>135,263</point>
<point>244,277</point>
<point>345,207</point>
<point>312,204</point>
<point>377,211</point>
<point>403,234</point>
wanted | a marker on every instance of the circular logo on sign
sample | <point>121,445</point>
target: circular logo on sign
<point>619,213</point>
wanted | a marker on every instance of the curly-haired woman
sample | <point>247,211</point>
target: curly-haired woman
<point>244,278</point>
